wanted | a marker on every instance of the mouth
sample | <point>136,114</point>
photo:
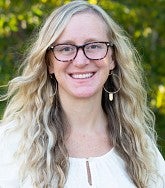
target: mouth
<point>82,75</point>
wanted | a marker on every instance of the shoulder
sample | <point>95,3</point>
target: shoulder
<point>160,164</point>
<point>9,136</point>
<point>159,160</point>
<point>9,141</point>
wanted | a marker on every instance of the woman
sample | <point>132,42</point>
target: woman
<point>78,115</point>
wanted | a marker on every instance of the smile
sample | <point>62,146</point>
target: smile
<point>82,76</point>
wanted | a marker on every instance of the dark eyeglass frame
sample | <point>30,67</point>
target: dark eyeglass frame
<point>108,44</point>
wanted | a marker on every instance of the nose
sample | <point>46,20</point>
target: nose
<point>80,59</point>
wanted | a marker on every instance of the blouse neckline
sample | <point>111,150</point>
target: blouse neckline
<point>104,156</point>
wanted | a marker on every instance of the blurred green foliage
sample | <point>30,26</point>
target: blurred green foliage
<point>143,21</point>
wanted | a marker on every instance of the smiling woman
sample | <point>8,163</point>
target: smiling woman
<point>84,70</point>
<point>78,115</point>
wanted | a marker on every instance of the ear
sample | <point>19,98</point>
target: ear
<point>112,64</point>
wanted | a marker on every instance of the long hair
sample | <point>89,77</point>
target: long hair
<point>41,117</point>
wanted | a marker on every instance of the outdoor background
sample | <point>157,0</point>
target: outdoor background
<point>144,22</point>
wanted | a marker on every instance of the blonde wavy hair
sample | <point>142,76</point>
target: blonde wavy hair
<point>42,119</point>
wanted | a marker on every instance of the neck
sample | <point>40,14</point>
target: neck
<point>85,114</point>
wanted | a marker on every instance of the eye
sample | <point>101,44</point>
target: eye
<point>64,48</point>
<point>94,46</point>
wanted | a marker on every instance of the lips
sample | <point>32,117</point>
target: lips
<point>82,75</point>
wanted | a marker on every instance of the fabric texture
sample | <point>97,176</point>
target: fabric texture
<point>106,171</point>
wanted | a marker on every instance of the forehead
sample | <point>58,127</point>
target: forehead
<point>84,26</point>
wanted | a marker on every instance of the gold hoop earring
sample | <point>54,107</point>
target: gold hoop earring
<point>111,93</point>
<point>54,84</point>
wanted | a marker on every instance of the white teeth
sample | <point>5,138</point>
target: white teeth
<point>82,76</point>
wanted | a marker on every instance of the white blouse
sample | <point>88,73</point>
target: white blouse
<point>107,171</point>
<point>98,172</point>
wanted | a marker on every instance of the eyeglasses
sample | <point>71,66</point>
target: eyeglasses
<point>68,52</point>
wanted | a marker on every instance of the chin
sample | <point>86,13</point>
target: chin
<point>85,95</point>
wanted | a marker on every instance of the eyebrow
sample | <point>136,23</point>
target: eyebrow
<point>85,42</point>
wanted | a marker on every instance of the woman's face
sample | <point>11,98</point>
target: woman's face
<point>81,77</point>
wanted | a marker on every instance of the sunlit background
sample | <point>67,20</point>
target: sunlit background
<point>142,20</point>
